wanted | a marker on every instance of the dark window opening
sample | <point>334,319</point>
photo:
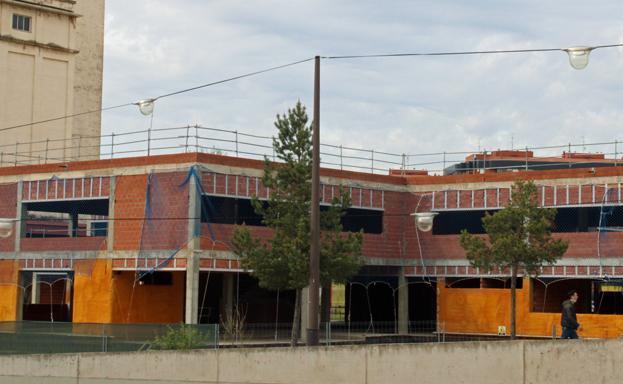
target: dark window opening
<point>452,223</point>
<point>484,282</point>
<point>231,210</point>
<point>368,220</point>
<point>157,278</point>
<point>66,218</point>
<point>594,296</point>
<point>578,219</point>
<point>47,295</point>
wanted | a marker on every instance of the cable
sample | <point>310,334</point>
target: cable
<point>232,78</point>
<point>64,117</point>
<point>457,53</point>
<point>159,97</point>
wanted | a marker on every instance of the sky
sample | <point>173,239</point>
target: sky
<point>407,105</point>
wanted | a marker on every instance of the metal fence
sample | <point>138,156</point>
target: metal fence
<point>25,337</point>
<point>197,138</point>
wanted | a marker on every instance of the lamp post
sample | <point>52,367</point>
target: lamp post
<point>314,256</point>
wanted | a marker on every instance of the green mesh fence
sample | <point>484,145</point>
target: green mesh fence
<point>44,337</point>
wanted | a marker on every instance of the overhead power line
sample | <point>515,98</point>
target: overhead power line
<point>254,73</point>
<point>457,53</point>
<point>159,97</point>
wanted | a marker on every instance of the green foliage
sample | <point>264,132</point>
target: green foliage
<point>185,336</point>
<point>519,235</point>
<point>283,261</point>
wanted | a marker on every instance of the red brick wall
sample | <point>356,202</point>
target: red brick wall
<point>168,226</point>
<point>63,244</point>
<point>129,211</point>
<point>8,209</point>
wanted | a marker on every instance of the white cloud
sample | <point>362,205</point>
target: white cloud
<point>400,105</point>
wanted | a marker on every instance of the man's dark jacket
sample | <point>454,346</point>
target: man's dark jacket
<point>568,318</point>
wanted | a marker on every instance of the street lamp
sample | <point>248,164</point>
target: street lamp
<point>424,220</point>
<point>146,106</point>
<point>6,228</point>
<point>578,56</point>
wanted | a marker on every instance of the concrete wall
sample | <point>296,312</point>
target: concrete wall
<point>53,70</point>
<point>516,362</point>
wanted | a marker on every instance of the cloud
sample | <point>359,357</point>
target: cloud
<point>406,106</point>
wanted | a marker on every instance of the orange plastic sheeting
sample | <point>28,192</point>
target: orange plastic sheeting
<point>9,291</point>
<point>136,303</point>
<point>474,310</point>
<point>92,291</point>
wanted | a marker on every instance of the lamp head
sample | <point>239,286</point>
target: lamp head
<point>578,56</point>
<point>424,220</point>
<point>6,228</point>
<point>146,106</point>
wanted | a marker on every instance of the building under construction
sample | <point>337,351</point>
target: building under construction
<point>147,240</point>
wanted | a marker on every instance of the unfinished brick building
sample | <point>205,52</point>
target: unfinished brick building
<point>146,239</point>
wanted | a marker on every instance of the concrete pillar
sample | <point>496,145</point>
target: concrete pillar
<point>73,225</point>
<point>403,303</point>
<point>110,229</point>
<point>304,313</point>
<point>228,295</point>
<point>192,258</point>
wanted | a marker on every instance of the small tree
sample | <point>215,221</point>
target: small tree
<point>283,261</point>
<point>519,238</point>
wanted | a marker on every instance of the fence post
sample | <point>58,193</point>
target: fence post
<point>197,138</point>
<point>236,132</point>
<point>341,159</point>
<point>553,331</point>
<point>79,146</point>
<point>112,145</point>
<point>1,159</point>
<point>15,155</point>
<point>444,160</point>
<point>372,158</point>
<point>526,158</point>
<point>328,332</point>
<point>149,141</point>
<point>187,133</point>
<point>615,152</point>
<point>273,137</point>
<point>47,142</point>
<point>404,157</point>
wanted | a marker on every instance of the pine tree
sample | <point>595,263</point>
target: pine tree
<point>282,262</point>
<point>519,238</point>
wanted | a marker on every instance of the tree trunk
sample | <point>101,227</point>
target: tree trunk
<point>296,320</point>
<point>513,301</point>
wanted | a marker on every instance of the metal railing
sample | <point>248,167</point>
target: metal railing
<point>28,337</point>
<point>197,138</point>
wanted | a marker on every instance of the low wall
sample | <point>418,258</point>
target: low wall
<point>516,362</point>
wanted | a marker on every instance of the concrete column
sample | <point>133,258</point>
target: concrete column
<point>192,258</point>
<point>304,313</point>
<point>73,227</point>
<point>110,229</point>
<point>228,295</point>
<point>403,303</point>
<point>20,217</point>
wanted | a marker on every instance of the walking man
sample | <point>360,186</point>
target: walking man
<point>568,319</point>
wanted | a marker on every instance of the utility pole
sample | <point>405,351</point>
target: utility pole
<point>314,257</point>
